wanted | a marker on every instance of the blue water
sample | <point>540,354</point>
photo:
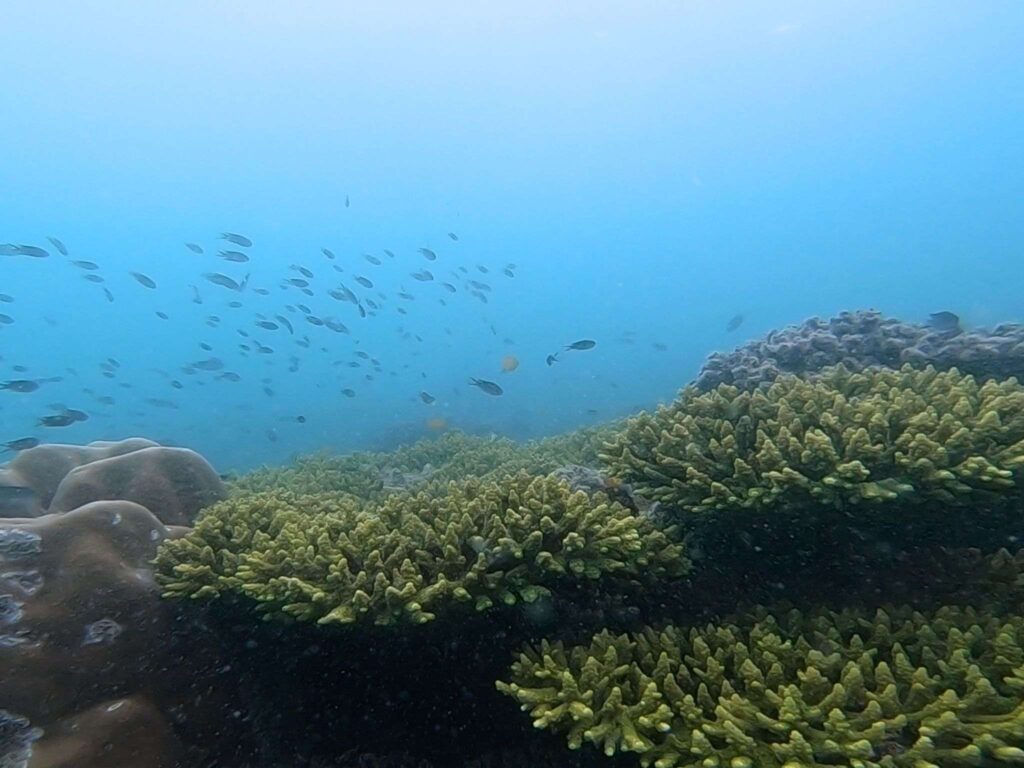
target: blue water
<point>652,168</point>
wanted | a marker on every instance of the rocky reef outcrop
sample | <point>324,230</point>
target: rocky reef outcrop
<point>866,339</point>
<point>90,672</point>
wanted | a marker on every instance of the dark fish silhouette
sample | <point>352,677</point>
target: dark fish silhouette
<point>734,322</point>
<point>944,322</point>
<point>348,392</point>
<point>209,364</point>
<point>61,249</point>
<point>21,444</point>
<point>423,275</point>
<point>241,240</point>
<point>90,265</point>
<point>372,259</point>
<point>327,252</point>
<point>582,344</point>
<point>6,298</point>
<point>428,254</point>
<point>223,280</point>
<point>94,278</point>
<point>20,385</point>
<point>65,418</point>
<point>428,398</point>
<point>284,321</point>
<point>144,280</point>
<point>109,295</point>
<point>365,282</point>
<point>487,386</point>
<point>194,248</point>
<point>449,287</point>
<point>453,236</point>
<point>343,294</point>
<point>267,325</point>
<point>551,359</point>
<point>23,250</point>
<point>236,256</point>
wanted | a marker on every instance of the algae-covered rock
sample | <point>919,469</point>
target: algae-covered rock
<point>897,689</point>
<point>327,558</point>
<point>841,439</point>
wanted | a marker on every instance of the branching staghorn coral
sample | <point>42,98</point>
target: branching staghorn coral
<point>451,456</point>
<point>839,439</point>
<point>898,689</point>
<point>327,559</point>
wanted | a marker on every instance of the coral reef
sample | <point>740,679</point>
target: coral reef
<point>124,732</point>
<point>40,470</point>
<point>426,464</point>
<point>898,688</point>
<point>173,483</point>
<point>16,738</point>
<point>839,440</point>
<point>326,559</point>
<point>79,621</point>
<point>866,339</point>
<point>402,585</point>
<point>87,646</point>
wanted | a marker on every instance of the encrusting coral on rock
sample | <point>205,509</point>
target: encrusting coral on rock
<point>840,440</point>
<point>866,339</point>
<point>326,558</point>
<point>897,689</point>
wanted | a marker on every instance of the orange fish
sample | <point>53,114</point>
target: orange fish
<point>437,424</point>
<point>509,363</point>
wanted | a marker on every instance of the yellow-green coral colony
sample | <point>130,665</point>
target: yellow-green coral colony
<point>329,559</point>
<point>894,690</point>
<point>839,439</point>
<point>451,456</point>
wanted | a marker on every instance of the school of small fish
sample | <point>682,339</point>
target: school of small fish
<point>284,321</point>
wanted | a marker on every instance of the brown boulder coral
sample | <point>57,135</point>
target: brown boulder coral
<point>174,483</point>
<point>42,468</point>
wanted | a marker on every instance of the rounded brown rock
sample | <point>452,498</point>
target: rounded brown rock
<point>173,483</point>
<point>42,468</point>
<point>80,615</point>
<point>123,732</point>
